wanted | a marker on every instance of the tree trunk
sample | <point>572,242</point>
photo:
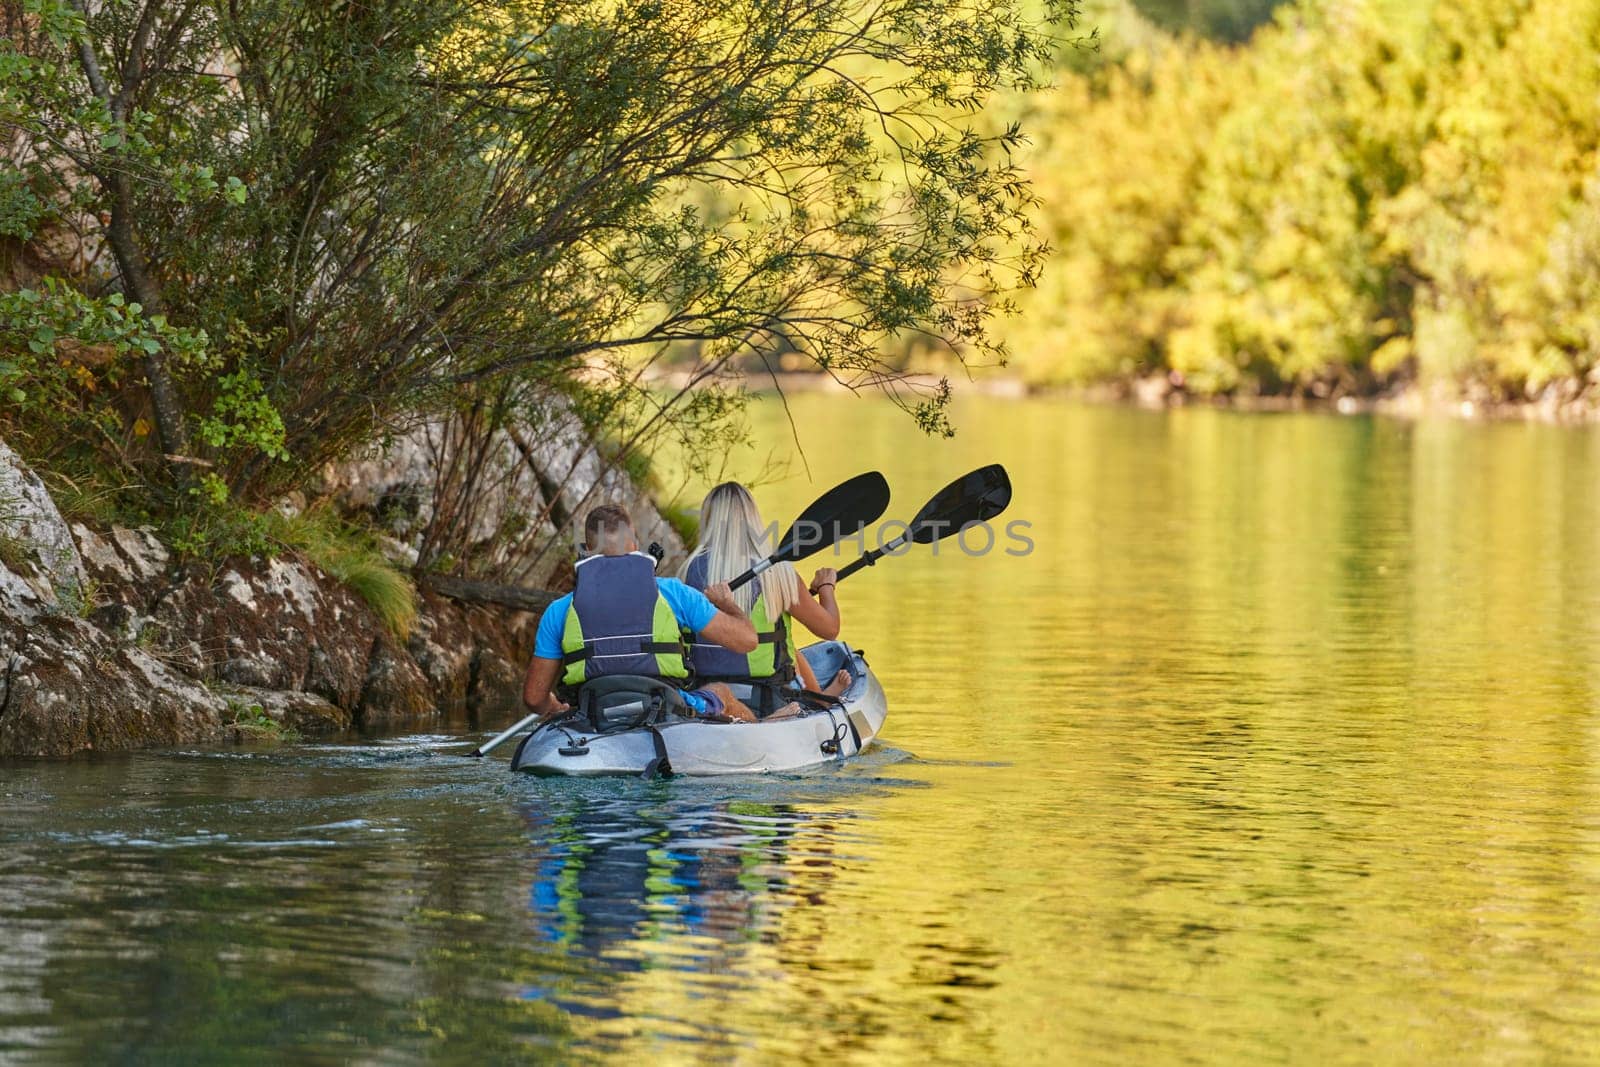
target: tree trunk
<point>129,256</point>
<point>475,592</point>
<point>130,261</point>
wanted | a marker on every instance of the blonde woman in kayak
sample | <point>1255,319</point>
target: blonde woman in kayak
<point>732,539</point>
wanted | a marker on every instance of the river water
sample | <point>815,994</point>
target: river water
<point>1282,744</point>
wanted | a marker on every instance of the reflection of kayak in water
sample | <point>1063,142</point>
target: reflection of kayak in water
<point>817,735</point>
<point>672,887</point>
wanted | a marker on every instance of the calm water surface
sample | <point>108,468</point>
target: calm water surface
<point>1283,745</point>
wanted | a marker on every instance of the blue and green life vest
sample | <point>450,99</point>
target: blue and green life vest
<point>774,654</point>
<point>619,623</point>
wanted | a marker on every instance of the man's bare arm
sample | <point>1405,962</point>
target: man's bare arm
<point>536,687</point>
<point>730,627</point>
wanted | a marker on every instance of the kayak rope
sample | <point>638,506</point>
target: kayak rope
<point>835,744</point>
<point>849,726</point>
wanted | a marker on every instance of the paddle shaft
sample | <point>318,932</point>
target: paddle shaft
<point>870,557</point>
<point>952,509</point>
<point>753,573</point>
<point>850,505</point>
<point>500,738</point>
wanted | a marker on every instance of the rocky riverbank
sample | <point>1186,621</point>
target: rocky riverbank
<point>109,642</point>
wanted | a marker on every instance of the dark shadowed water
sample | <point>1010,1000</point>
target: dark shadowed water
<point>1283,745</point>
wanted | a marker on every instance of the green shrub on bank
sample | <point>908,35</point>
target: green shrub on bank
<point>16,554</point>
<point>253,722</point>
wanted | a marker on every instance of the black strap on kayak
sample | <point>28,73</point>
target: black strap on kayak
<point>661,766</point>
<point>855,735</point>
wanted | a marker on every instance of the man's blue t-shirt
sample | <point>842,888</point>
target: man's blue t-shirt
<point>690,606</point>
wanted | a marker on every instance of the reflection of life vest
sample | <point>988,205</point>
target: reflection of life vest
<point>773,657</point>
<point>619,623</point>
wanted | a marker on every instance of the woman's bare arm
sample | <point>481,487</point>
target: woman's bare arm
<point>820,613</point>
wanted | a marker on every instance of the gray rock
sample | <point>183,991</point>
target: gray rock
<point>495,696</point>
<point>127,568</point>
<point>39,564</point>
<point>538,479</point>
<point>275,624</point>
<point>144,552</point>
<point>100,557</point>
<point>441,644</point>
<point>169,653</point>
<point>397,692</point>
<point>70,688</point>
<point>581,478</point>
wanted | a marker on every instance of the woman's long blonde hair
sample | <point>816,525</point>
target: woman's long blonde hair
<point>732,537</point>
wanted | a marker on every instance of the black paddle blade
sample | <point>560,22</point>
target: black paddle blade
<point>840,512</point>
<point>976,496</point>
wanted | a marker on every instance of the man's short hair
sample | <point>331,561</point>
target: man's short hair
<point>608,527</point>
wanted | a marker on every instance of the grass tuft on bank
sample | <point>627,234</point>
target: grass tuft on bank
<point>352,555</point>
<point>211,532</point>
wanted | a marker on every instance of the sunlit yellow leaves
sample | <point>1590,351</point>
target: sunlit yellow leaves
<point>1391,355</point>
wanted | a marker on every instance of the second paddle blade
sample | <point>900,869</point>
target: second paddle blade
<point>976,496</point>
<point>836,514</point>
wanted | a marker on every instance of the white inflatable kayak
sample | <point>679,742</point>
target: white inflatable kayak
<point>817,736</point>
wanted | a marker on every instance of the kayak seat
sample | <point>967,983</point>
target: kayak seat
<point>625,701</point>
<point>828,659</point>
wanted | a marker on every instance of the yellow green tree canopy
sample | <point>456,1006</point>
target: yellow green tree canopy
<point>1367,194</point>
<point>304,226</point>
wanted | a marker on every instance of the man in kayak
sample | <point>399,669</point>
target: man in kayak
<point>622,619</point>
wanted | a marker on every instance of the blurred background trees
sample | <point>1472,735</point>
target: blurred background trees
<point>1223,20</point>
<point>1366,195</point>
